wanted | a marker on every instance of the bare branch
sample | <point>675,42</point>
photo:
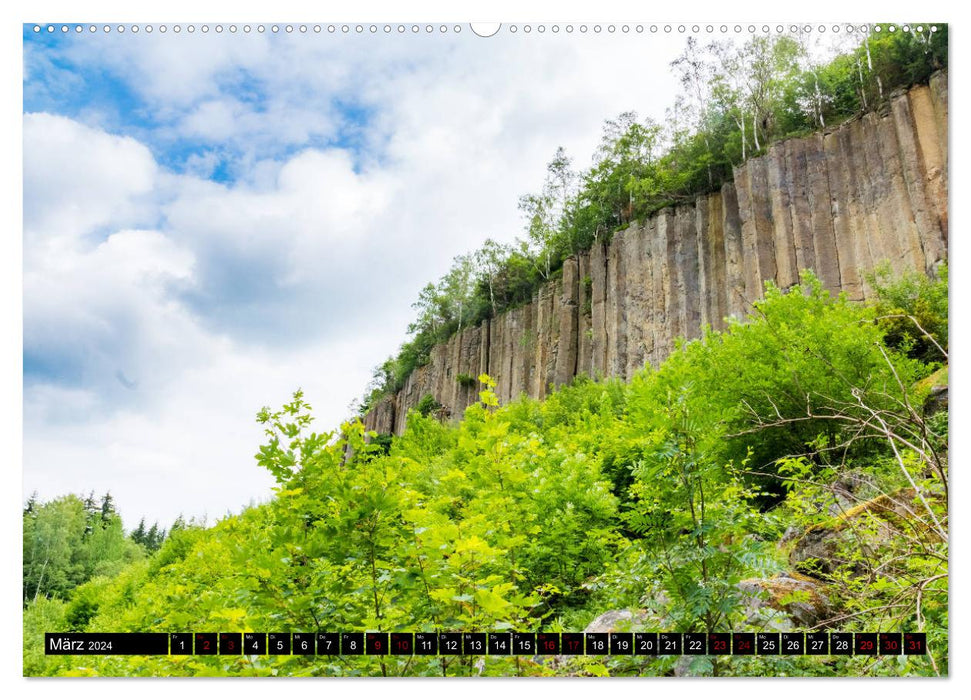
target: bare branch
<point>920,328</point>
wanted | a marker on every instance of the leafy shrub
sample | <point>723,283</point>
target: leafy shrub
<point>466,381</point>
<point>912,311</point>
<point>427,405</point>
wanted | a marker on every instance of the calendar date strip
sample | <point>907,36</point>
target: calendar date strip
<point>487,643</point>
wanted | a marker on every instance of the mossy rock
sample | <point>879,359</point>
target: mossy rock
<point>616,621</point>
<point>801,598</point>
<point>937,379</point>
<point>821,549</point>
<point>934,389</point>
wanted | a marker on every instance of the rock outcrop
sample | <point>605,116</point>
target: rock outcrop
<point>800,599</point>
<point>847,540</point>
<point>838,202</point>
<point>616,621</point>
<point>936,386</point>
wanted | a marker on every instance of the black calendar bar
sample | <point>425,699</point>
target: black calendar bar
<point>103,644</point>
<point>486,643</point>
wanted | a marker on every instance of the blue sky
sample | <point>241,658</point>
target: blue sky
<point>212,221</point>
<point>61,80</point>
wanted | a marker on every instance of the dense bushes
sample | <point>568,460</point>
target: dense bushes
<point>913,312</point>
<point>70,540</point>
<point>660,495</point>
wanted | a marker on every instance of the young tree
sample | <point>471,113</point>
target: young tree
<point>432,309</point>
<point>771,62</point>
<point>546,213</point>
<point>154,538</point>
<point>853,45</point>
<point>869,65</point>
<point>811,60</point>
<point>107,508</point>
<point>92,511</point>
<point>625,165</point>
<point>457,287</point>
<point>138,534</point>
<point>729,86</point>
<point>696,74</point>
<point>31,504</point>
<point>490,260</point>
<point>178,525</point>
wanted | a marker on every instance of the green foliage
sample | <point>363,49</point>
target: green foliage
<point>466,381</point>
<point>912,311</point>
<point>85,601</point>
<point>701,525</point>
<point>69,540</point>
<point>289,425</point>
<point>150,538</point>
<point>736,100</point>
<point>658,496</point>
<point>43,615</point>
<point>587,283</point>
<point>769,382</point>
<point>427,405</point>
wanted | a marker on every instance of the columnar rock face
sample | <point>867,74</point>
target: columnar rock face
<point>839,203</point>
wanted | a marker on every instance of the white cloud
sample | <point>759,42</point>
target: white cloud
<point>77,178</point>
<point>230,120</point>
<point>174,71</point>
<point>192,451</point>
<point>155,403</point>
<point>103,315</point>
<point>178,306</point>
<point>213,119</point>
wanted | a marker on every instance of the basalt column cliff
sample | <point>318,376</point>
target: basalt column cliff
<point>838,202</point>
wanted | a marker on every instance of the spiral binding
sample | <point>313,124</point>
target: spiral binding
<point>439,29</point>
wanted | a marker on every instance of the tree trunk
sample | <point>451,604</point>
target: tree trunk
<point>40,579</point>
<point>744,138</point>
<point>859,70</point>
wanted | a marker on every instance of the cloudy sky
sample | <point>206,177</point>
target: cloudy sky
<point>212,221</point>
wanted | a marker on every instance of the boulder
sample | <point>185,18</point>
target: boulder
<point>801,599</point>
<point>818,550</point>
<point>616,621</point>
<point>935,387</point>
<point>611,621</point>
<point>936,400</point>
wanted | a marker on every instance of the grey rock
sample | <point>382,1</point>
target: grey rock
<point>839,202</point>
<point>800,599</point>
<point>615,621</point>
